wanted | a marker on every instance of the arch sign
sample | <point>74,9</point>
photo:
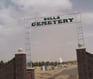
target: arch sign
<point>46,21</point>
<point>53,20</point>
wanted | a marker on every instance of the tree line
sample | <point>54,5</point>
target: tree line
<point>48,63</point>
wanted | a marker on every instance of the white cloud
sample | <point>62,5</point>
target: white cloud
<point>44,3</point>
<point>44,6</point>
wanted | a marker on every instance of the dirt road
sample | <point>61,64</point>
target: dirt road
<point>72,73</point>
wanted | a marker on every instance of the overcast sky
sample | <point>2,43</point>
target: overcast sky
<point>50,42</point>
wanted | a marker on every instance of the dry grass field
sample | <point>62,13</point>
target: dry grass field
<point>56,74</point>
